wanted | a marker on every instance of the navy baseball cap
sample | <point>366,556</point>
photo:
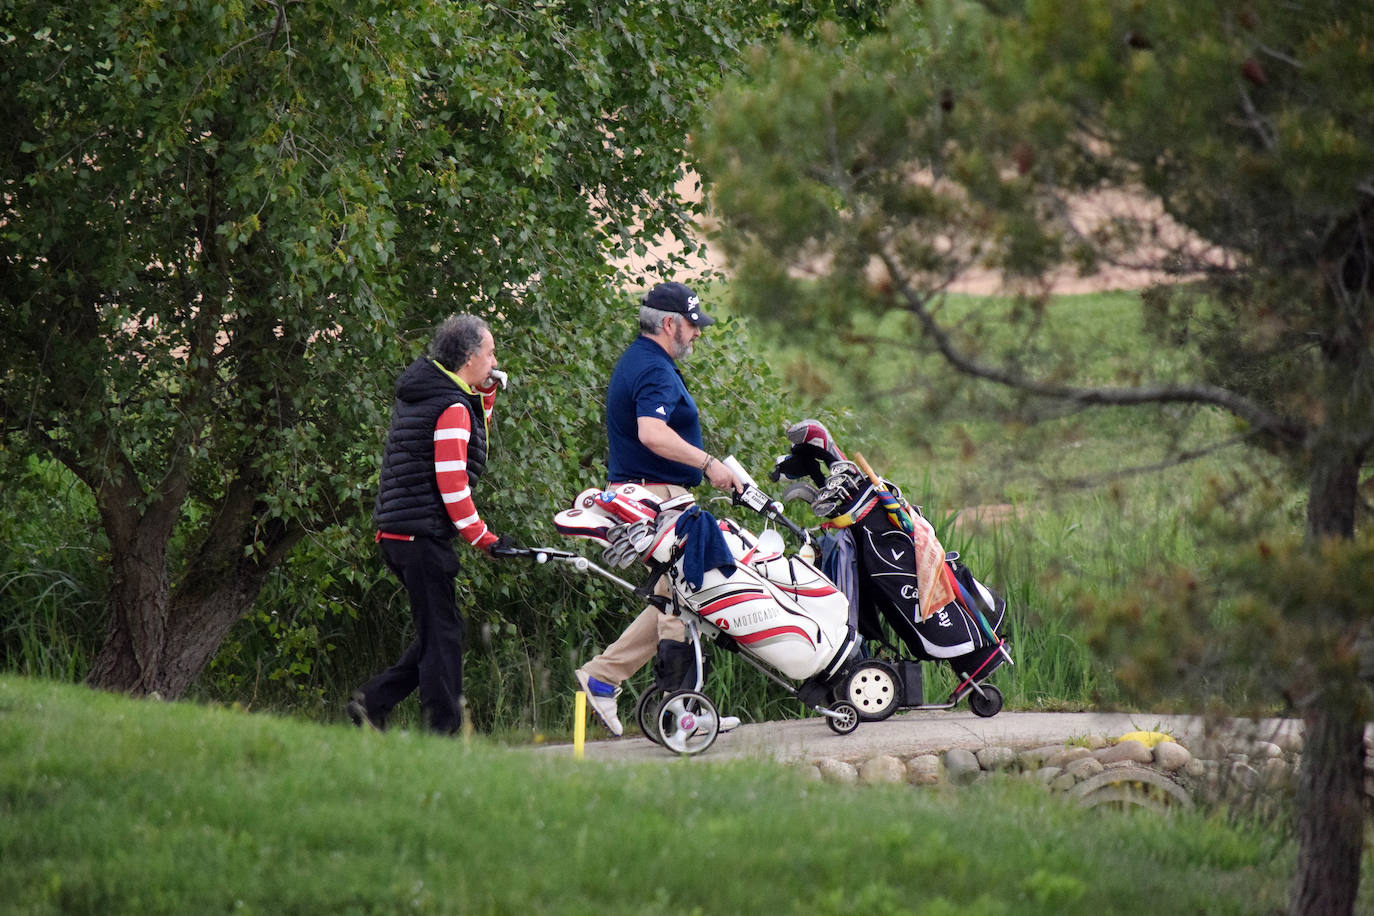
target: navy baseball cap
<point>674,297</point>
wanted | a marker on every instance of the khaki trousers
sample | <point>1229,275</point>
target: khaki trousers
<point>639,642</point>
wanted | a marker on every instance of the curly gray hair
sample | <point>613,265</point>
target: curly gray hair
<point>456,339</point>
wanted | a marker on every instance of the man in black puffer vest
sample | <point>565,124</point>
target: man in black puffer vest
<point>436,450</point>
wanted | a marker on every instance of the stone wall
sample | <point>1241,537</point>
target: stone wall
<point>1156,772</point>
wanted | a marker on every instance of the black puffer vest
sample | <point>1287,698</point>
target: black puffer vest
<point>408,500</point>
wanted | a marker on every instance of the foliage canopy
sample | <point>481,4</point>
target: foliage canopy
<point>225,226</point>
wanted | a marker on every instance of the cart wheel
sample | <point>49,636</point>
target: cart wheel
<point>988,703</point>
<point>687,722</point>
<point>847,721</point>
<point>874,688</point>
<point>646,711</point>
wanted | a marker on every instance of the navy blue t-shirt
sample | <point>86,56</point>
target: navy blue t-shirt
<point>646,383</point>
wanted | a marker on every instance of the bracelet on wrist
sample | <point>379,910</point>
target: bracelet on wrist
<point>706,464</point>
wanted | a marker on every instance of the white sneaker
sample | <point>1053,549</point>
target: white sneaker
<point>728,722</point>
<point>601,697</point>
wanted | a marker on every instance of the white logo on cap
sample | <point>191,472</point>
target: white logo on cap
<point>693,301</point>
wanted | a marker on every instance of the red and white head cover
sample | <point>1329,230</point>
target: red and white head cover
<point>619,505</point>
<point>813,432</point>
<point>596,514</point>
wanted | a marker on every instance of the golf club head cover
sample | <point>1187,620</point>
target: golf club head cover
<point>813,432</point>
<point>641,495</point>
<point>804,460</point>
<point>584,523</point>
<point>621,506</point>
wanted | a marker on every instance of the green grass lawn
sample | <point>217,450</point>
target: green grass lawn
<point>113,806</point>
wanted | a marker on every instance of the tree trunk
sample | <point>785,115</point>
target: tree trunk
<point>160,643</point>
<point>1331,812</point>
<point>160,638</point>
<point>139,530</point>
<point>131,655</point>
<point>1331,799</point>
<point>1333,485</point>
<point>199,623</point>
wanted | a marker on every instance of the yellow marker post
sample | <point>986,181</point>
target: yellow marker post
<point>466,727</point>
<point>579,724</point>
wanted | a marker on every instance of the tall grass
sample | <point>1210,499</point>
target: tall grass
<point>110,806</point>
<point>36,632</point>
<point>51,581</point>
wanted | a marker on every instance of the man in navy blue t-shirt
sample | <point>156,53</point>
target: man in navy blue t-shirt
<point>654,436</point>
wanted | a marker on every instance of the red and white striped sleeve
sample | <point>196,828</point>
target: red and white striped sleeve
<point>488,396</point>
<point>451,434</point>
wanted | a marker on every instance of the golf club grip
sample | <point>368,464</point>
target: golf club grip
<point>791,526</point>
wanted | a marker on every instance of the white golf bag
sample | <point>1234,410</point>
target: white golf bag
<point>744,591</point>
<point>778,608</point>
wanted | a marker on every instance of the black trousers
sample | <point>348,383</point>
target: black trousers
<point>433,663</point>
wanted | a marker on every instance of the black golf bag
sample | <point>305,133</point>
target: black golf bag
<point>873,551</point>
<point>963,632</point>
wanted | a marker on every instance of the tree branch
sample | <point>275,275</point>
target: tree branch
<point>279,23</point>
<point>1288,431</point>
<point>1261,127</point>
<point>1090,481</point>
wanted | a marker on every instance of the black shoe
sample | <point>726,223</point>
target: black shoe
<point>357,712</point>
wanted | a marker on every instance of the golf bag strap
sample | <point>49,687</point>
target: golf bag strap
<point>656,571</point>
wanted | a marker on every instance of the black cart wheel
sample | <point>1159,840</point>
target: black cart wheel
<point>646,711</point>
<point>986,704</point>
<point>874,688</point>
<point>846,721</point>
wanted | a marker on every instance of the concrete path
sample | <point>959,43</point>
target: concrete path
<point>910,733</point>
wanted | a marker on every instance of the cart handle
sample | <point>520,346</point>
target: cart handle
<point>771,509</point>
<point>575,560</point>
